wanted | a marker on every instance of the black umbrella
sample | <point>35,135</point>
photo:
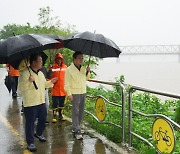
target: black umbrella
<point>16,48</point>
<point>57,46</point>
<point>92,44</point>
<point>56,37</point>
<point>8,82</point>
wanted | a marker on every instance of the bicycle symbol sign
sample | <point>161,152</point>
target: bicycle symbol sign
<point>163,135</point>
<point>100,109</point>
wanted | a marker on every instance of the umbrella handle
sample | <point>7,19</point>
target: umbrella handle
<point>35,85</point>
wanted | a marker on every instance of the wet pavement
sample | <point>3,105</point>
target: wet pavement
<point>60,139</point>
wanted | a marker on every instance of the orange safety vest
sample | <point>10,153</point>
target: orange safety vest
<point>58,71</point>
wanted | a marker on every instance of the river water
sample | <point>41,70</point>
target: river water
<point>155,72</point>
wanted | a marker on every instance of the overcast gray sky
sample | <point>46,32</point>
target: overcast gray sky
<point>126,22</point>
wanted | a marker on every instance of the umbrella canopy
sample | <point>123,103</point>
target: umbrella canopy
<point>16,48</point>
<point>57,46</point>
<point>58,38</point>
<point>92,44</point>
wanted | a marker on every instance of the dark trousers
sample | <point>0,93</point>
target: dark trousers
<point>38,112</point>
<point>58,101</point>
<point>14,84</point>
<point>57,105</point>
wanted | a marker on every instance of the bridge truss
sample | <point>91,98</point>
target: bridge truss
<point>150,49</point>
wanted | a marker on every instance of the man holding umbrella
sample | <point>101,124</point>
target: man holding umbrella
<point>75,86</point>
<point>34,100</point>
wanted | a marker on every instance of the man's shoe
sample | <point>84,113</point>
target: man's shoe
<point>32,148</point>
<point>78,135</point>
<point>82,131</point>
<point>54,120</point>
<point>40,137</point>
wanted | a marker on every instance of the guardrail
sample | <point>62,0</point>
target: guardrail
<point>131,110</point>
<point>114,104</point>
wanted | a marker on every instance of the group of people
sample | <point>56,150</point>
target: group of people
<point>65,82</point>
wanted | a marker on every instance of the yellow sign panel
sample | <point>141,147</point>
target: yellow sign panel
<point>163,135</point>
<point>100,109</point>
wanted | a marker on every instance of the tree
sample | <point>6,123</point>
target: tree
<point>13,29</point>
<point>46,20</point>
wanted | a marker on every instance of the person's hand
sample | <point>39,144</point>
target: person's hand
<point>88,69</point>
<point>50,90</point>
<point>53,80</point>
<point>31,78</point>
<point>50,66</point>
<point>70,97</point>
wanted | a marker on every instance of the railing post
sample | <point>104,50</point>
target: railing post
<point>130,119</point>
<point>123,113</point>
